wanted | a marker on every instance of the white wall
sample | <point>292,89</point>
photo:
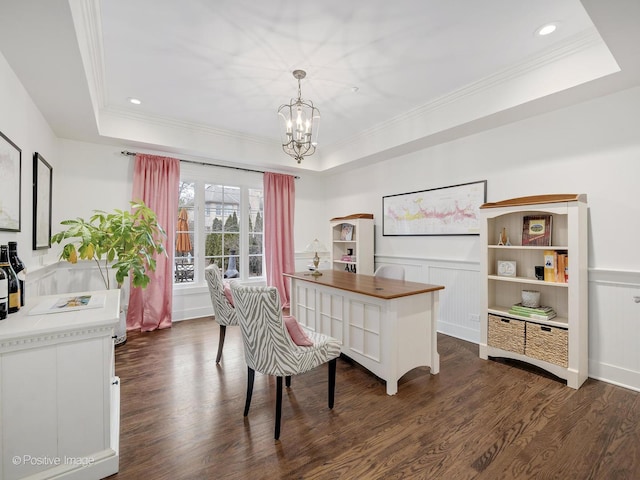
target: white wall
<point>591,148</point>
<point>23,123</point>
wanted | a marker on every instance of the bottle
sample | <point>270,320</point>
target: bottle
<point>18,267</point>
<point>4,294</point>
<point>14,286</point>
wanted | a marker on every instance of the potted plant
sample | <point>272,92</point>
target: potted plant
<point>128,241</point>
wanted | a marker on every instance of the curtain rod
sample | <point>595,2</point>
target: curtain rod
<point>128,153</point>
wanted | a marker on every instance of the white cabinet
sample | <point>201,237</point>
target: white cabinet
<point>352,243</point>
<point>558,345</point>
<point>59,396</point>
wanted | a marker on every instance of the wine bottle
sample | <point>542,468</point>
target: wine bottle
<point>4,294</point>
<point>18,267</point>
<point>12,279</point>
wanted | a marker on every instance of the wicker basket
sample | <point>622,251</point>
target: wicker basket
<point>506,333</point>
<point>547,343</point>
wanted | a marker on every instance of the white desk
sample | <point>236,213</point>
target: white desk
<point>59,403</point>
<point>387,326</point>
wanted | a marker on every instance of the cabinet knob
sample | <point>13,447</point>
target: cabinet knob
<point>115,382</point>
<point>636,299</point>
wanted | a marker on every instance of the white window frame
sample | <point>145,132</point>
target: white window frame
<point>201,175</point>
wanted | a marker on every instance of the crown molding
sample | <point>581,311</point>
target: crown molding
<point>172,123</point>
<point>88,24</point>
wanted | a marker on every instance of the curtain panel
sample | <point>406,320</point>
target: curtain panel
<point>155,182</point>
<point>279,206</point>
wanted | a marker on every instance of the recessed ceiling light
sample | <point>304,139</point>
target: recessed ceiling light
<point>547,29</point>
<point>354,89</point>
<point>135,101</point>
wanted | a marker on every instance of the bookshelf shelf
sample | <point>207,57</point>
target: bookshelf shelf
<point>531,281</point>
<point>561,322</point>
<point>527,247</point>
<point>559,344</point>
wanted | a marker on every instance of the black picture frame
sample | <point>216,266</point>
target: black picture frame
<point>452,210</point>
<point>42,195</point>
<point>10,185</point>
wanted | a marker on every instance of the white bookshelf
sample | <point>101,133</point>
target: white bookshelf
<point>355,252</point>
<point>567,333</point>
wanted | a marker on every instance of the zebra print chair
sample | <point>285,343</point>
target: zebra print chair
<point>225,313</point>
<point>269,349</point>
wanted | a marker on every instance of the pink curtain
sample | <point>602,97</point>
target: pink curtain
<point>155,182</point>
<point>279,203</point>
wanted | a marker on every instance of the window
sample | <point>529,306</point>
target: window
<point>218,223</point>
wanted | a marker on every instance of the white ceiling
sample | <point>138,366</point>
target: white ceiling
<point>211,74</point>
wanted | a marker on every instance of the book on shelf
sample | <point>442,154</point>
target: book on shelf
<point>347,232</point>
<point>534,316</point>
<point>562,274</point>
<point>536,230</point>
<point>539,313</point>
<point>550,265</point>
<point>556,266</point>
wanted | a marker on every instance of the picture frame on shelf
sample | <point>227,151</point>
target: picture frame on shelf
<point>42,194</point>
<point>506,268</point>
<point>10,185</point>
<point>536,230</point>
<point>346,234</point>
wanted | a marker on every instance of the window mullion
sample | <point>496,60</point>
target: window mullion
<point>200,232</point>
<point>244,231</point>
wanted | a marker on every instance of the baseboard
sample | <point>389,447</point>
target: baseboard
<point>621,377</point>
<point>458,331</point>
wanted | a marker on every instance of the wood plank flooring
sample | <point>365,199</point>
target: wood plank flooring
<point>181,418</point>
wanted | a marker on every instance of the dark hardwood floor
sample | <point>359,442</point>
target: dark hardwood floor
<point>181,418</point>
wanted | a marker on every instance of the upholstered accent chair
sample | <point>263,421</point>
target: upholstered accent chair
<point>269,348</point>
<point>390,271</point>
<point>224,311</point>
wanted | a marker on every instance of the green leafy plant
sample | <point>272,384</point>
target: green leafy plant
<point>129,240</point>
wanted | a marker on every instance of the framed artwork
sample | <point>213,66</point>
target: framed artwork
<point>10,181</point>
<point>42,189</point>
<point>453,210</point>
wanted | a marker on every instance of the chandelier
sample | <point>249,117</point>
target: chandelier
<point>301,121</point>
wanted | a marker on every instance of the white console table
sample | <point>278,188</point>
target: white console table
<point>59,397</point>
<point>387,326</point>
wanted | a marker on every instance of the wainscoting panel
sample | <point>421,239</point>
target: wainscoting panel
<point>614,327</point>
<point>459,301</point>
<point>614,306</point>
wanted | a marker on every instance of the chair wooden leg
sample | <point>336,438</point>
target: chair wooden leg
<point>287,381</point>
<point>251,374</point>
<point>223,330</point>
<point>332,381</point>
<point>278,406</point>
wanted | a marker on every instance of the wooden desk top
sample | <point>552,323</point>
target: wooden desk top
<point>379,287</point>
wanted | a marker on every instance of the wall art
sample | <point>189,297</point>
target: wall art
<point>42,190</point>
<point>450,210</point>
<point>10,182</point>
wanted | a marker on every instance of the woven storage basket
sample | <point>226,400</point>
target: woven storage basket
<point>547,343</point>
<point>506,333</point>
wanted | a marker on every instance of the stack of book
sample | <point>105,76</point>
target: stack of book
<point>556,266</point>
<point>538,313</point>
